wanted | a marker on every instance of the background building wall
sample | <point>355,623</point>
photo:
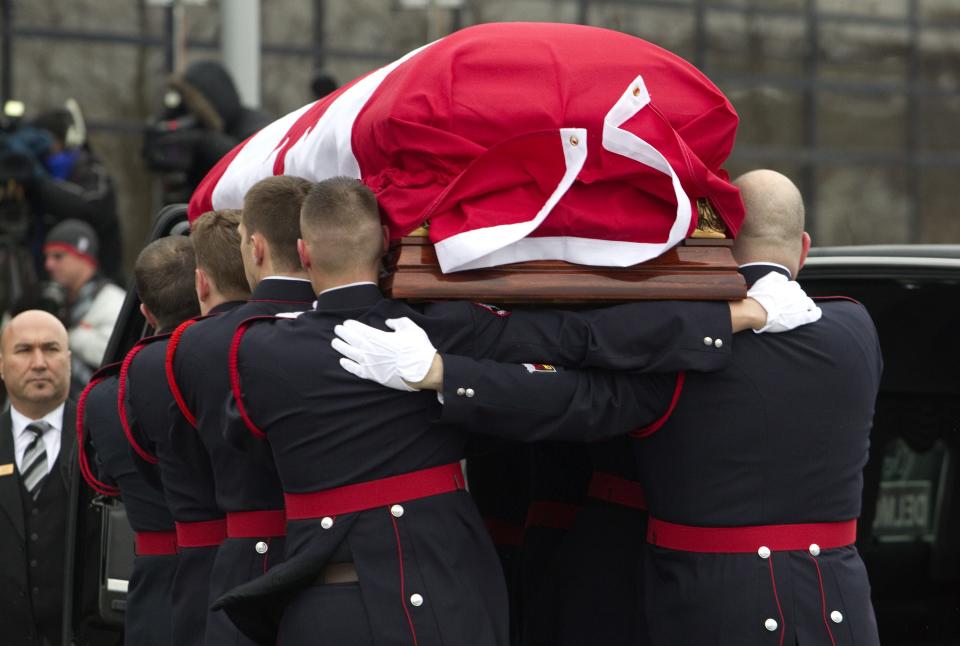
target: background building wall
<point>857,100</point>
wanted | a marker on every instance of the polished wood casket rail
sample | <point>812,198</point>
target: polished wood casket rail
<point>697,269</point>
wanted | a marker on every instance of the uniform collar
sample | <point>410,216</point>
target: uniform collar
<point>224,307</point>
<point>283,288</point>
<point>349,297</point>
<point>754,271</point>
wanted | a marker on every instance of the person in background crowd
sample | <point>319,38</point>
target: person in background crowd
<point>77,184</point>
<point>92,301</point>
<point>36,470</point>
<point>203,119</point>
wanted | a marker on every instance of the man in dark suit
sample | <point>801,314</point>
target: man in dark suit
<point>753,474</point>
<point>148,405</point>
<point>247,488</point>
<point>375,497</point>
<point>164,275</point>
<point>37,479</point>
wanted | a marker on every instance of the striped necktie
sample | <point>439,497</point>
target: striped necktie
<point>35,459</point>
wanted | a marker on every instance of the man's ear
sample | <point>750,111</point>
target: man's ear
<point>304,253</point>
<point>202,284</point>
<point>257,248</point>
<point>147,314</point>
<point>386,238</point>
<point>804,249</point>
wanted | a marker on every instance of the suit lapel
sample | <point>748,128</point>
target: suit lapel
<point>10,500</point>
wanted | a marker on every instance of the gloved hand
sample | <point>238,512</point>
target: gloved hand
<point>389,358</point>
<point>787,305</point>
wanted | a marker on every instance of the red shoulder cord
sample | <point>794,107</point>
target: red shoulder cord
<point>171,377</point>
<point>235,374</point>
<point>121,403</point>
<point>85,470</point>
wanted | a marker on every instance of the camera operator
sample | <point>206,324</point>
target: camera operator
<point>203,120</point>
<point>76,184</point>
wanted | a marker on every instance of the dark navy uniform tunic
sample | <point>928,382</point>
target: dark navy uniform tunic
<point>427,571</point>
<point>150,409</point>
<point>245,481</point>
<point>779,437</point>
<point>147,618</point>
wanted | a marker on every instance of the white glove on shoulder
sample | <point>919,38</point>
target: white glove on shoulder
<point>787,305</point>
<point>389,358</point>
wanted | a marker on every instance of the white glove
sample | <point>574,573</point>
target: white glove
<point>389,358</point>
<point>787,305</point>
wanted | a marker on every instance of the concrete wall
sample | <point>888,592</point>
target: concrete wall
<point>855,201</point>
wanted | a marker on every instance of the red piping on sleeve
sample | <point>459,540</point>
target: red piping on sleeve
<point>823,602</point>
<point>235,375</point>
<point>85,470</point>
<point>403,591</point>
<point>649,430</point>
<point>171,378</point>
<point>121,403</point>
<point>837,298</point>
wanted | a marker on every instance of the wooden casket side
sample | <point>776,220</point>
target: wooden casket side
<point>697,269</point>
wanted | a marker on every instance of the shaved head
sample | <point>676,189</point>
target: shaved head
<point>35,362</point>
<point>773,228</point>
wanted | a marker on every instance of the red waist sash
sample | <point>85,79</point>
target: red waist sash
<point>375,493</point>
<point>155,543</point>
<point>205,533</point>
<point>730,540</point>
<point>256,524</point>
<point>619,491</point>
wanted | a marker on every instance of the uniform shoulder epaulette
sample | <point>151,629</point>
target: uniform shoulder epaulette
<point>235,373</point>
<point>105,372</point>
<point>168,364</point>
<point>122,392</point>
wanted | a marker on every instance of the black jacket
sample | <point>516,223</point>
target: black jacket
<point>327,429</point>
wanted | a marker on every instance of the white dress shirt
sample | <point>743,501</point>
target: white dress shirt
<point>22,437</point>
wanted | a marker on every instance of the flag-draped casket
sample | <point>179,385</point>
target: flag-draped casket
<point>516,142</point>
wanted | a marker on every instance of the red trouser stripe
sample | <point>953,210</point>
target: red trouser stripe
<point>731,540</point>
<point>155,543</point>
<point>375,493</point>
<point>619,491</point>
<point>206,533</point>
<point>256,524</point>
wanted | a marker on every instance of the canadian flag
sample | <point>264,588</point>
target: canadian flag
<point>514,142</point>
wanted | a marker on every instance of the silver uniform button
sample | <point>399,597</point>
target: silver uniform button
<point>261,547</point>
<point>416,600</point>
<point>718,343</point>
<point>460,392</point>
<point>397,511</point>
<point>763,552</point>
<point>836,616</point>
<point>771,624</point>
<point>469,392</point>
<point>326,522</point>
<point>707,341</point>
<point>814,549</point>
